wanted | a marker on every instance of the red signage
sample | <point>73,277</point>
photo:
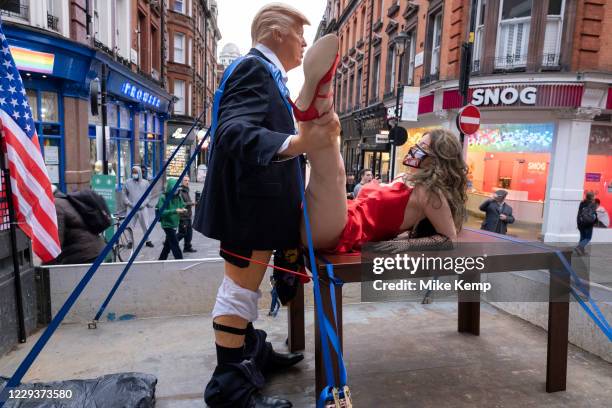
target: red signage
<point>468,120</point>
<point>523,95</point>
<point>609,101</point>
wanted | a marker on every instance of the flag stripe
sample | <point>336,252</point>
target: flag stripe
<point>37,191</point>
<point>37,166</point>
<point>19,185</point>
<point>39,232</point>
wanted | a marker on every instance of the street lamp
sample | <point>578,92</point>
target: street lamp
<point>400,41</point>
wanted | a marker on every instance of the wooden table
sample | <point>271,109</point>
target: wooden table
<point>502,256</point>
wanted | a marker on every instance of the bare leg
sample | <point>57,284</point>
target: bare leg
<point>326,196</point>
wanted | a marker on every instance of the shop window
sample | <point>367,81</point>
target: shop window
<point>514,157</point>
<point>553,33</point>
<point>33,101</point>
<point>49,109</point>
<point>479,38</point>
<point>179,48</point>
<point>45,106</point>
<point>513,34</point>
<point>598,175</point>
<point>179,92</point>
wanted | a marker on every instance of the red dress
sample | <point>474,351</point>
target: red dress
<point>375,215</point>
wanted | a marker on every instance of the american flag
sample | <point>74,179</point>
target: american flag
<point>31,187</point>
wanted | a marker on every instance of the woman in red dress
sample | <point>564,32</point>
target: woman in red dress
<point>433,188</point>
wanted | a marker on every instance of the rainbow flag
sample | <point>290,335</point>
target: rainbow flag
<point>33,61</point>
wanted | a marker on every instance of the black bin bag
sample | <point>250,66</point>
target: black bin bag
<point>123,390</point>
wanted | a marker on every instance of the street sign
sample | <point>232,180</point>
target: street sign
<point>468,120</point>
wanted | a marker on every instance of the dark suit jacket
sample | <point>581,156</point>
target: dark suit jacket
<point>249,200</point>
<point>492,222</point>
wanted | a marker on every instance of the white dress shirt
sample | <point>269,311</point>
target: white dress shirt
<point>269,54</point>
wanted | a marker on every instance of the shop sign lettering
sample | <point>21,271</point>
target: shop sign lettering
<point>504,96</point>
<point>139,94</point>
<point>536,166</point>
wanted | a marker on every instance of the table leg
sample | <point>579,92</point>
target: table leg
<point>296,323</point>
<point>469,308</point>
<point>320,380</point>
<point>558,326</point>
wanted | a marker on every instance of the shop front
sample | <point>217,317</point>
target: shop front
<point>59,75</point>
<point>374,147</point>
<point>177,132</point>
<point>542,142</point>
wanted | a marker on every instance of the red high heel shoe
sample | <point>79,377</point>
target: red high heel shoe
<point>317,59</point>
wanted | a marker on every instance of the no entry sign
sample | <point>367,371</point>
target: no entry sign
<point>468,120</point>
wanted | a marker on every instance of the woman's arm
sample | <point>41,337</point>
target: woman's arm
<point>437,211</point>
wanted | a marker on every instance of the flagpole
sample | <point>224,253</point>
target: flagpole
<point>13,236</point>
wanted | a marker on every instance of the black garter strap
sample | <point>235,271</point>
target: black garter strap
<point>229,329</point>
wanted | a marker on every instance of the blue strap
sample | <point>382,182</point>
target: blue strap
<point>72,298</point>
<point>150,229</point>
<point>328,332</point>
<point>603,324</point>
<point>274,72</point>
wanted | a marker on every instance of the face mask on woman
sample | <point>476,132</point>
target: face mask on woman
<point>135,176</point>
<point>415,157</point>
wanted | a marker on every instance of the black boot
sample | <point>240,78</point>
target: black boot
<point>237,385</point>
<point>263,355</point>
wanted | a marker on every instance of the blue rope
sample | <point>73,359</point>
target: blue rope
<point>597,315</point>
<point>27,362</point>
<point>150,229</point>
<point>325,327</point>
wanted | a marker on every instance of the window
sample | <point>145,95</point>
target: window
<point>155,53</point>
<point>554,30</point>
<point>179,48</point>
<point>375,76</point>
<point>14,8</point>
<point>179,92</point>
<point>479,39</point>
<point>410,54</point>
<point>513,33</point>
<point>189,56</point>
<point>345,100</point>
<point>354,31</point>
<point>351,102</point>
<point>436,40</point>
<point>363,24</point>
<point>359,87</point>
<point>348,38</point>
<point>179,6</point>
<point>390,71</point>
<point>188,101</point>
<point>379,10</point>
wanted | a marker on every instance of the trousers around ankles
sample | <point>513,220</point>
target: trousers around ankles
<point>170,244</point>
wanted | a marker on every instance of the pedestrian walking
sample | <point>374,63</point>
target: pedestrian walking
<point>365,176</point>
<point>169,219</point>
<point>603,218</point>
<point>185,229</point>
<point>133,190</point>
<point>586,220</point>
<point>498,213</point>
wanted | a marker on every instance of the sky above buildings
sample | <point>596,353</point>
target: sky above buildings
<point>235,18</point>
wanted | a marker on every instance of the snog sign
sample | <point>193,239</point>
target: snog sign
<point>505,96</point>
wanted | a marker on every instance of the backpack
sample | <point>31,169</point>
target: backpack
<point>587,217</point>
<point>92,208</point>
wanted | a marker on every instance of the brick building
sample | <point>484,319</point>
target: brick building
<point>192,37</point>
<point>540,74</point>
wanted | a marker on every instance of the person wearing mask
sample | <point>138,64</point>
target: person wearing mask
<point>365,176</point>
<point>498,213</point>
<point>79,244</point>
<point>170,218</point>
<point>586,220</point>
<point>134,188</point>
<point>603,218</point>
<point>185,229</point>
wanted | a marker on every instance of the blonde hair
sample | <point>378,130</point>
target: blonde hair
<point>446,176</point>
<point>275,17</point>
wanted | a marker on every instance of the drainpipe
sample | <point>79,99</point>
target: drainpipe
<point>162,73</point>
